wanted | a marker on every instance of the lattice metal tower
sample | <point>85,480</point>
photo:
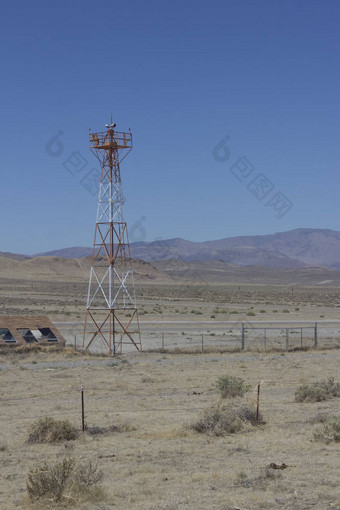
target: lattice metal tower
<point>111,310</point>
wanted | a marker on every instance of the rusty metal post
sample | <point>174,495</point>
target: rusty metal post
<point>258,403</point>
<point>82,409</point>
<point>316,335</point>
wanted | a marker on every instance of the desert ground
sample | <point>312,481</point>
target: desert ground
<point>176,313</point>
<point>153,459</point>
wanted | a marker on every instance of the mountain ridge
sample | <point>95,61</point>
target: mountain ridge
<point>290,249</point>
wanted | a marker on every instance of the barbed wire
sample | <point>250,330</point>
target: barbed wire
<point>93,399</point>
<point>41,396</point>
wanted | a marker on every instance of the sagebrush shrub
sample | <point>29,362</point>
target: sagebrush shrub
<point>330,431</point>
<point>218,422</point>
<point>221,420</point>
<point>53,481</point>
<point>47,480</point>
<point>48,430</point>
<point>318,391</point>
<point>231,386</point>
<point>86,476</point>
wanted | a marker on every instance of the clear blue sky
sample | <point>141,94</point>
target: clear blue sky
<point>182,75</point>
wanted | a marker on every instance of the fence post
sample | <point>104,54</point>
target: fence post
<point>287,339</point>
<point>75,342</point>
<point>242,337</point>
<point>265,338</point>
<point>316,335</point>
<point>82,409</point>
<point>162,341</point>
<point>202,343</point>
<point>258,402</point>
<point>301,337</point>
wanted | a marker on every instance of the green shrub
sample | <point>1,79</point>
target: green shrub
<point>251,314</point>
<point>285,310</point>
<point>48,430</point>
<point>330,431</point>
<point>318,391</point>
<point>231,386</point>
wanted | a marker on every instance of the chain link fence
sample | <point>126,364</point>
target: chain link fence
<point>176,336</point>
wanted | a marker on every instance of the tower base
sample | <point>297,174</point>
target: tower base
<point>114,328</point>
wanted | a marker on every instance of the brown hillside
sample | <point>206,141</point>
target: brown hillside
<point>53,268</point>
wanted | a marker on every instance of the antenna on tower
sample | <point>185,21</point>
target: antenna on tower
<point>112,125</point>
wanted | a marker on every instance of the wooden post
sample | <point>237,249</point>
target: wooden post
<point>202,343</point>
<point>82,409</point>
<point>242,337</point>
<point>75,342</point>
<point>301,337</point>
<point>163,342</point>
<point>287,339</point>
<point>265,338</point>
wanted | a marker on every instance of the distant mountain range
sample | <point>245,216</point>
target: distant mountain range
<point>293,249</point>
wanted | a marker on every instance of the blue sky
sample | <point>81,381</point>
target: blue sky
<point>182,75</point>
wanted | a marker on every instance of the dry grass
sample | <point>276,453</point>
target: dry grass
<point>154,463</point>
